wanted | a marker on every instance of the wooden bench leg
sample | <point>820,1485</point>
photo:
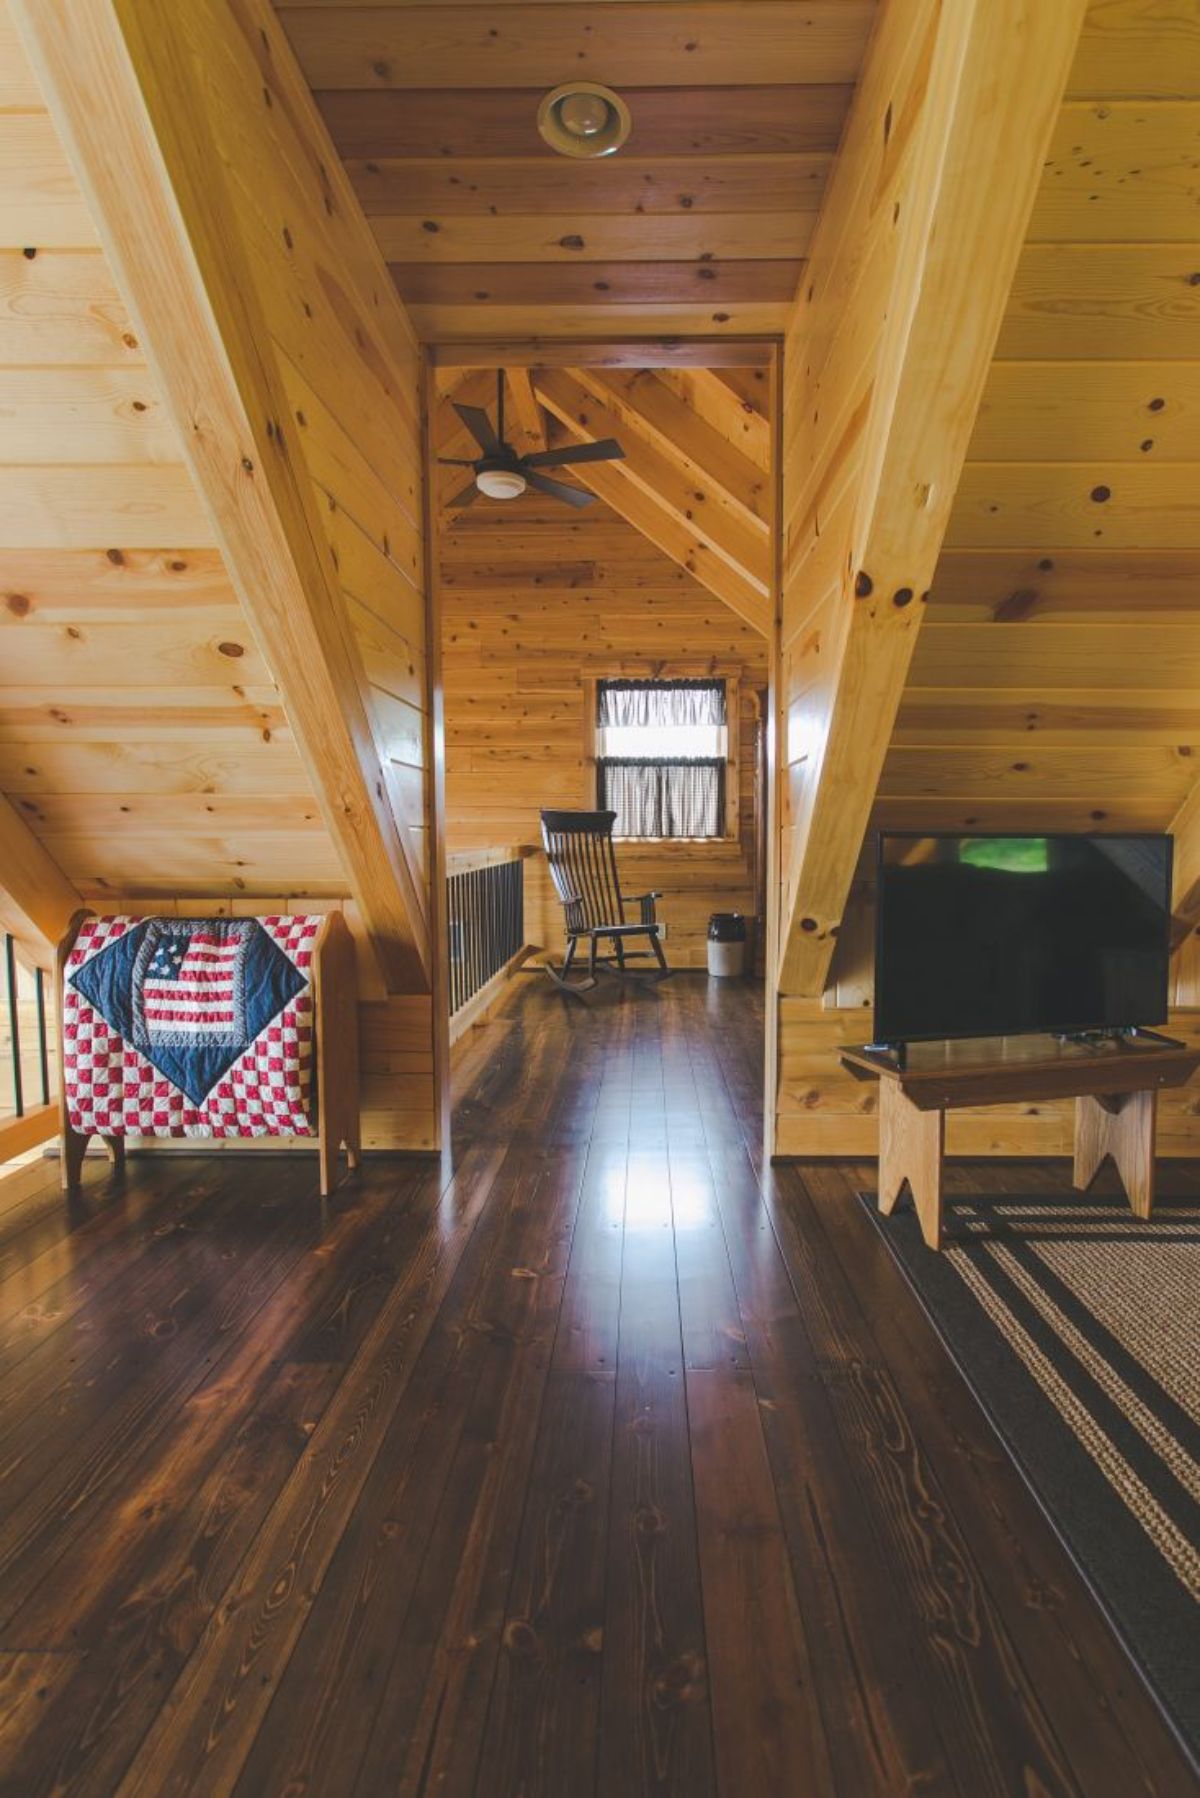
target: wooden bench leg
<point>1123,1127</point>
<point>911,1146</point>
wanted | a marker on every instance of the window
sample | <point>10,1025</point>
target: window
<point>662,747</point>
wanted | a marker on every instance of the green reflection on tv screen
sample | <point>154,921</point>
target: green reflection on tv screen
<point>1011,855</point>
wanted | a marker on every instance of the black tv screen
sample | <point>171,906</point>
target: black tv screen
<point>1003,935</point>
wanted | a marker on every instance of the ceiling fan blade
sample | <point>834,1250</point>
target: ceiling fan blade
<point>574,496</point>
<point>480,427</point>
<point>467,497</point>
<point>457,461</point>
<point>607,450</point>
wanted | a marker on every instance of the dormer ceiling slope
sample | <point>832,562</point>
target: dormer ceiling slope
<point>698,225</point>
<point>1056,680</point>
<point>176,446</point>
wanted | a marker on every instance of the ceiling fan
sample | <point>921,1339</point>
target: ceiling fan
<point>501,474</point>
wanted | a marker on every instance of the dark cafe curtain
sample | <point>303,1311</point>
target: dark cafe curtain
<point>663,798</point>
<point>655,702</point>
<point>657,796</point>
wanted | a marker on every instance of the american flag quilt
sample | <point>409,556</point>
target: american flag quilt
<point>190,1026</point>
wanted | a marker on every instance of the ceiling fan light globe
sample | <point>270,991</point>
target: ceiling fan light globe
<point>500,483</point>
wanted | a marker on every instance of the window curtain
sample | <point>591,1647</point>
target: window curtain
<point>658,702</point>
<point>660,796</point>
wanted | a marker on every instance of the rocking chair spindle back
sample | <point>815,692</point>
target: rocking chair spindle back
<point>583,866</point>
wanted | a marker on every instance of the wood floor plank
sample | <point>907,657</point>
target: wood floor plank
<point>767,1726</point>
<point>656,1732</point>
<point>350,1638</point>
<point>978,1667</point>
<point>27,1684</point>
<point>106,1230</point>
<point>543,1715</point>
<point>365,1645</point>
<point>207,1724</point>
<point>80,1365</point>
<point>431,1719</point>
<point>543,1712</point>
<point>156,1547</point>
<point>80,1449</point>
<point>60,1236</point>
<point>873,1682</point>
<point>596,1460</point>
<point>1053,1619</point>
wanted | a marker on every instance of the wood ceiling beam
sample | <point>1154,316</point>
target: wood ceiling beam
<point>529,435</point>
<point>885,364</point>
<point>660,527</point>
<point>609,352</point>
<point>149,97</point>
<point>742,418</point>
<point>731,558</point>
<point>36,898</point>
<point>647,406</point>
<point>1185,897</point>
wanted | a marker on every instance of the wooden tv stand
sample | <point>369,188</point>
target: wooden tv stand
<point>1114,1082</point>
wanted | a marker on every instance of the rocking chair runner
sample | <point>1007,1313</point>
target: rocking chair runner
<point>583,867</point>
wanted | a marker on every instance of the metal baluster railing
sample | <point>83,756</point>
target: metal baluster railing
<point>486,925</point>
<point>25,1050</point>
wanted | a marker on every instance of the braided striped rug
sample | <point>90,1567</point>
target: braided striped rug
<point>1079,1329</point>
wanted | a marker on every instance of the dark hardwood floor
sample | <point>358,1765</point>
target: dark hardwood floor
<point>603,1464</point>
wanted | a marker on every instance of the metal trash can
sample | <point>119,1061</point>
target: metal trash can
<point>726,943</point>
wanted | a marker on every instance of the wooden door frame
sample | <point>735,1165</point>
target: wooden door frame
<point>760,351</point>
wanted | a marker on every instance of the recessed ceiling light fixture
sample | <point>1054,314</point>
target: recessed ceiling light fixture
<point>581,118</point>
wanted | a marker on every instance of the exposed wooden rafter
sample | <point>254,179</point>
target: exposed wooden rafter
<point>885,363</point>
<point>189,129</point>
<point>654,491</point>
<point>698,352</point>
<point>1185,897</point>
<point>35,895</point>
<point>529,422</point>
<point>658,416</point>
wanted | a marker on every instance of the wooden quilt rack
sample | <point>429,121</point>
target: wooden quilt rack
<point>335,1088</point>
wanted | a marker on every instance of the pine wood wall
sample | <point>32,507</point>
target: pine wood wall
<point>144,735</point>
<point>1055,674</point>
<point>536,600</point>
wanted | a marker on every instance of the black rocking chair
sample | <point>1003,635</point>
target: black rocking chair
<point>583,867</point>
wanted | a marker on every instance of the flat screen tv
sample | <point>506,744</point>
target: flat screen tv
<point>1007,935</point>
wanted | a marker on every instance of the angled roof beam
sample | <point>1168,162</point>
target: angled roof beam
<point>655,495</point>
<point>647,406</point>
<point>1185,901</point>
<point>885,363</point>
<point>36,898</point>
<point>149,97</point>
<point>529,434</point>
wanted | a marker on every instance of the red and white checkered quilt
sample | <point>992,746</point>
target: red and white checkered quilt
<point>263,1083</point>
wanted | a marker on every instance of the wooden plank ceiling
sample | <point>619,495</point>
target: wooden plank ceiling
<point>1056,680</point>
<point>698,225</point>
<point>142,736</point>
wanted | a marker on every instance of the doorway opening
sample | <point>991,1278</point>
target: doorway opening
<point>603,533</point>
